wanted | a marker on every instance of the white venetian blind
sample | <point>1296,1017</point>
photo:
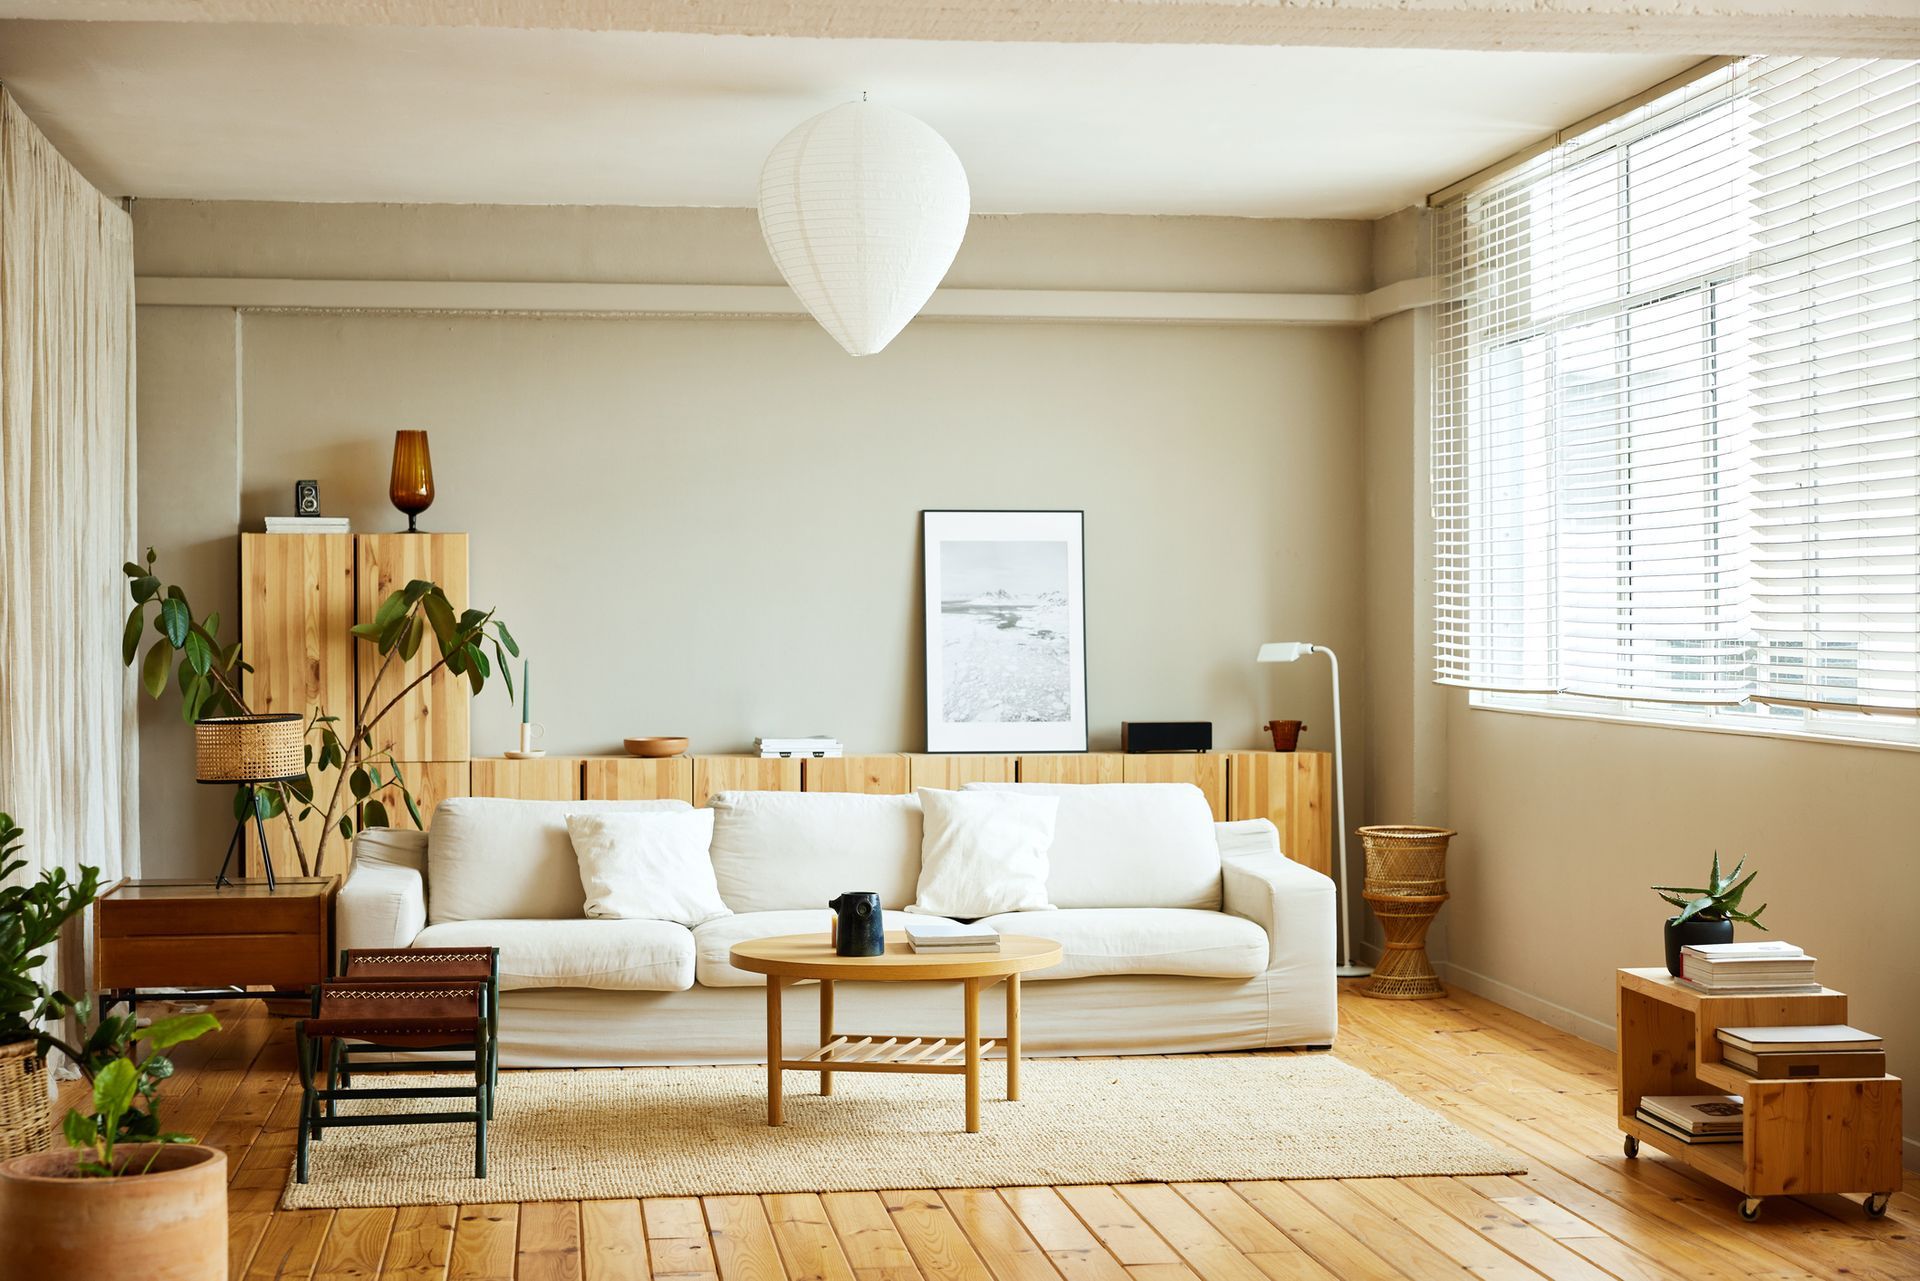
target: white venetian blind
<point>1676,418</point>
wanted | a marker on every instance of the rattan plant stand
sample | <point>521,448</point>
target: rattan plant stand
<point>1406,884</point>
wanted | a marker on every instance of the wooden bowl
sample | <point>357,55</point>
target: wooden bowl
<point>656,746</point>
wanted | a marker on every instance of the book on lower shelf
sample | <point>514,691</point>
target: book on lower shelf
<point>939,934</point>
<point>1803,1051</point>
<point>1694,1118</point>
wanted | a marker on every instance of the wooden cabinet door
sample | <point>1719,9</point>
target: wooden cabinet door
<point>1295,791</point>
<point>743,774</point>
<point>876,775</point>
<point>431,722</point>
<point>637,778</point>
<point>1205,770</point>
<point>547,778</point>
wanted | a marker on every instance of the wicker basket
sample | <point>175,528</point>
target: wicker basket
<point>1408,862</point>
<point>26,1116</point>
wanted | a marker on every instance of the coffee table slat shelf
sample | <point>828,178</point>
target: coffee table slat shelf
<point>1800,1135</point>
<point>888,1054</point>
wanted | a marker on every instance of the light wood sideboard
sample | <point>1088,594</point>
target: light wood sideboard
<point>1292,789</point>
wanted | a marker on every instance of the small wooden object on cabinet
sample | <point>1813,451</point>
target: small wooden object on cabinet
<point>187,934</point>
<point>1800,1136</point>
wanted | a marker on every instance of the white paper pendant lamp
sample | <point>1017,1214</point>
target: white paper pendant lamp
<point>863,208</point>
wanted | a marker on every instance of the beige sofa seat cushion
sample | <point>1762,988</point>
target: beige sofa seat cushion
<point>619,956</point>
<point>1128,844</point>
<point>713,941</point>
<point>490,858</point>
<point>780,851</point>
<point>1143,940</point>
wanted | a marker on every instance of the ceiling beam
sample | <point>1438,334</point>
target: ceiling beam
<point>1852,28</point>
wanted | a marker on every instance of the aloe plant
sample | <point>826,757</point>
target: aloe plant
<point>1717,900</point>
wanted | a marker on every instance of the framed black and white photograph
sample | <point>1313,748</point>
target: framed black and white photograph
<point>1006,631</point>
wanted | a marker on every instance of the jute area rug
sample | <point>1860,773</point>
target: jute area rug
<point>699,1131</point>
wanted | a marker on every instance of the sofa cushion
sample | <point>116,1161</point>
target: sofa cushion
<point>714,940</point>
<point>778,851</point>
<point>647,867</point>
<point>1129,845</point>
<point>619,956</point>
<point>491,859</point>
<point>984,852</point>
<point>1143,940</point>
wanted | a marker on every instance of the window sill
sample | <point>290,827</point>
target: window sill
<point>1479,703</point>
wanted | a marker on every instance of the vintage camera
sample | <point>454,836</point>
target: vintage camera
<point>306,498</point>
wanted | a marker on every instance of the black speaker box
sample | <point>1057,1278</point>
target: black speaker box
<point>1166,736</point>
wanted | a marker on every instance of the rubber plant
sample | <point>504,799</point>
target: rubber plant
<point>123,1107</point>
<point>31,916</point>
<point>350,774</point>
<point>1717,900</point>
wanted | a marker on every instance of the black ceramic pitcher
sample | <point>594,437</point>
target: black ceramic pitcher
<point>860,932</point>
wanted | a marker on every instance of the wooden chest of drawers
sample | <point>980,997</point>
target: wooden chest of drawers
<point>188,934</point>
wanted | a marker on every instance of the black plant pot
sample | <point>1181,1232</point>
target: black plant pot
<point>1692,934</point>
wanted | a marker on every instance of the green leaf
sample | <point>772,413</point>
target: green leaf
<point>391,608</point>
<point>375,815</point>
<point>79,1129</point>
<point>410,643</point>
<point>199,653</point>
<point>153,673</point>
<point>113,1090</point>
<point>212,625</point>
<point>440,617</point>
<point>506,638</point>
<point>413,809</point>
<point>175,620</point>
<point>1713,882</point>
<point>346,827</point>
<point>130,639</point>
<point>360,783</point>
<point>132,570</point>
<point>391,633</point>
<point>164,1034</point>
<point>418,588</point>
<point>474,678</point>
<point>366,631</point>
<point>506,672</point>
<point>144,588</point>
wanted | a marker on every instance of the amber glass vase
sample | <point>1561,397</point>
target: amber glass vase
<point>411,488</point>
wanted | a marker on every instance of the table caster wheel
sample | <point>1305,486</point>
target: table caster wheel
<point>1750,1209</point>
<point>1877,1204</point>
<point>1631,1147</point>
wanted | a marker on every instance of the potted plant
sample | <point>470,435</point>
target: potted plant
<point>127,1193</point>
<point>1707,913</point>
<point>30,919</point>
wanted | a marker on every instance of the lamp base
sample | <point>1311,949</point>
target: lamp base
<point>1352,971</point>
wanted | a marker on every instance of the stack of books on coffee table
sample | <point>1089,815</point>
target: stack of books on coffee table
<point>818,746</point>
<point>1825,1050</point>
<point>1694,1118</point>
<point>1747,969</point>
<point>938,934</point>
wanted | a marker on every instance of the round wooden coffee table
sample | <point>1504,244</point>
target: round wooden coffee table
<point>810,956</point>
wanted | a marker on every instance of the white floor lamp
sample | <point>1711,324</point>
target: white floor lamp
<point>1293,652</point>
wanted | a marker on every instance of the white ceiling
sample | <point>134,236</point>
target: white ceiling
<point>472,115</point>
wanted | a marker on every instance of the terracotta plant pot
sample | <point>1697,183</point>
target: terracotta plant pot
<point>169,1224</point>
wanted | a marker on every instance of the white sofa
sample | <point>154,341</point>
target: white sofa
<point>1178,933</point>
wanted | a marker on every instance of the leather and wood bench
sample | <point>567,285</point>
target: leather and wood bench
<point>444,1017</point>
<point>426,965</point>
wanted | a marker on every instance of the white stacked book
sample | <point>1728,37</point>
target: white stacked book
<point>1694,1118</point>
<point>938,934</point>
<point>309,525</point>
<point>817,745</point>
<point>1747,969</point>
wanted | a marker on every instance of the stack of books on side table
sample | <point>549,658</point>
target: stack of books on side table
<point>1747,969</point>
<point>1694,1118</point>
<point>1780,1053</point>
<point>818,745</point>
<point>938,934</point>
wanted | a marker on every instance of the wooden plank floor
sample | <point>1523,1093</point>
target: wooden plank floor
<point>1581,1212</point>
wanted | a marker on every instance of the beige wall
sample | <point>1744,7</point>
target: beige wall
<point>710,526</point>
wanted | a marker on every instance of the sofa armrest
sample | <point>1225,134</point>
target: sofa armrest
<point>381,905</point>
<point>1294,904</point>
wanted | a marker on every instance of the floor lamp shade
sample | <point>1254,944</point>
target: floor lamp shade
<point>863,208</point>
<point>249,749</point>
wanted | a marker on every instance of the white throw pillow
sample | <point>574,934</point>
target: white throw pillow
<point>648,867</point>
<point>1128,844</point>
<point>983,853</point>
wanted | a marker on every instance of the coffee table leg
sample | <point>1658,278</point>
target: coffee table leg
<point>826,1030</point>
<point>1013,1037</point>
<point>973,1055</point>
<point>775,986</point>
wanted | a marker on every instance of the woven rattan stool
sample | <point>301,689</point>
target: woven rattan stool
<point>1406,884</point>
<point>424,965</point>
<point>442,1017</point>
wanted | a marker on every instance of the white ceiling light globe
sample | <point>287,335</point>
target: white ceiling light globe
<point>863,208</point>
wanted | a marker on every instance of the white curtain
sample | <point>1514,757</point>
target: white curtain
<point>67,716</point>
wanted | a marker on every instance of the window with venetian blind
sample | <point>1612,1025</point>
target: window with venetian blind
<point>1676,417</point>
